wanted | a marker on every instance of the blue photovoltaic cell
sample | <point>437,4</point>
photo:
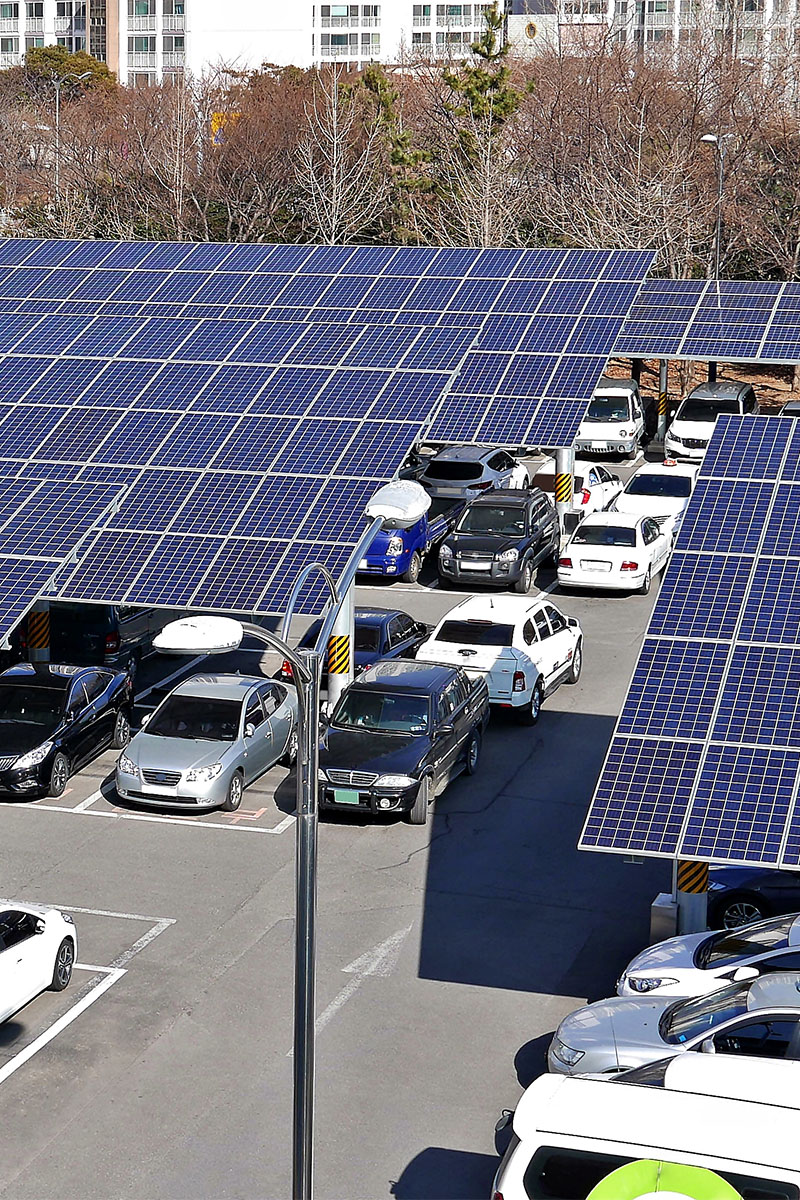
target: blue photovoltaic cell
<point>593,336</point>
<point>195,439</point>
<point>457,418</point>
<point>752,449</point>
<point>256,444</point>
<point>251,564</point>
<point>380,347</point>
<point>211,341</point>
<point>173,571</point>
<point>504,332</point>
<point>507,420</point>
<point>109,567</point>
<point>104,338</point>
<point>743,801</point>
<point>377,449</point>
<point>22,581</point>
<point>175,386</point>
<point>443,349</point>
<point>772,611</point>
<point>528,375</point>
<point>611,300</point>
<point>576,376</point>
<point>674,689</point>
<point>791,466</point>
<point>135,438</point>
<point>546,335</point>
<point>54,518</point>
<point>643,795</point>
<point>279,504</point>
<point>337,513</point>
<point>268,343</point>
<point>120,383</point>
<point>160,338</point>
<point>555,422</point>
<point>65,380</point>
<point>214,506</point>
<point>761,698</point>
<point>77,435</point>
<point>481,373</point>
<point>726,516</point>
<point>521,296</point>
<point>14,250</point>
<point>18,374</point>
<point>349,394</point>
<point>453,261</point>
<point>315,448</point>
<point>314,595</point>
<point>291,389</point>
<point>539,264</point>
<point>565,297</point>
<point>25,426</point>
<point>232,389</point>
<point>701,596</point>
<point>782,536</point>
<point>153,500</point>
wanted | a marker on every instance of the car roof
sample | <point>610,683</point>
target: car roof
<point>218,687</point>
<point>791,406</point>
<point>622,520</point>
<point>493,608</point>
<point>607,383</point>
<point>26,906</point>
<point>507,495</point>
<point>662,468</point>
<point>408,675</point>
<point>463,454</point>
<point>724,389</point>
<point>57,676</point>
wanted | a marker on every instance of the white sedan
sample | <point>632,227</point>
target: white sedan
<point>594,486</point>
<point>659,490</point>
<point>698,963</point>
<point>621,551</point>
<point>38,946</point>
<point>523,647</point>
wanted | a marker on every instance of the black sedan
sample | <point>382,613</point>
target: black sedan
<point>379,633</point>
<point>737,895</point>
<point>55,718</point>
<point>399,735</point>
<point>501,538</point>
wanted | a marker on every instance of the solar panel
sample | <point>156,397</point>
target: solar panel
<point>719,671</point>
<point>252,390</point>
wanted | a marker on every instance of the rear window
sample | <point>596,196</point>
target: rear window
<point>706,410</point>
<point>672,486</point>
<point>476,633</point>
<point>730,946</point>
<point>368,637</point>
<point>454,470</point>
<point>561,1173</point>
<point>604,535</point>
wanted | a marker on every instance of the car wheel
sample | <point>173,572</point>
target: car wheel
<point>645,587</point>
<point>234,796</point>
<point>411,573</point>
<point>59,776</point>
<point>122,730</point>
<point>473,753</point>
<point>290,753</point>
<point>523,584</point>
<point>577,663</point>
<point>418,815</point>
<point>736,910</point>
<point>529,715</point>
<point>62,969</point>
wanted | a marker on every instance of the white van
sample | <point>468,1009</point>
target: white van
<point>738,1117</point>
<point>615,421</point>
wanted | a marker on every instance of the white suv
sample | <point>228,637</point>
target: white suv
<point>523,647</point>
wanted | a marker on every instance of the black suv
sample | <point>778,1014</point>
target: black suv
<point>501,538</point>
<point>399,735</point>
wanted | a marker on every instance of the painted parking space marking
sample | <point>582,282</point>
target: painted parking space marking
<point>119,814</point>
<point>88,802</point>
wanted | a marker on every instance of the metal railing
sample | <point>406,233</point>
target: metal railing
<point>34,24</point>
<point>10,60</point>
<point>174,22</point>
<point>9,25</point>
<point>140,59</point>
<point>421,21</point>
<point>63,25</point>
<point>147,23</point>
<point>174,58</point>
<point>339,52</point>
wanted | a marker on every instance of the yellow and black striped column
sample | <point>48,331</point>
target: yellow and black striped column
<point>340,650</point>
<point>565,484</point>
<point>663,399</point>
<point>563,488</point>
<point>39,632</point>
<point>692,881</point>
<point>338,654</point>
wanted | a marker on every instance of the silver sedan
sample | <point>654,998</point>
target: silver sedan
<point>211,737</point>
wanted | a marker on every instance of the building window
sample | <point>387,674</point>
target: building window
<point>9,45</point>
<point>422,10</point>
<point>174,8</point>
<point>141,45</point>
<point>141,8</point>
<point>33,43</point>
<point>174,44</point>
<point>370,40</point>
<point>420,39</point>
<point>142,79</point>
<point>34,9</point>
<point>9,12</point>
<point>371,11</point>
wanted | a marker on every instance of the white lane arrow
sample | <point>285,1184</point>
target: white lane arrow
<point>380,960</point>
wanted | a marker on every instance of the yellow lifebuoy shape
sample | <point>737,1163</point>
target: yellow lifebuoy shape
<point>531,30</point>
<point>649,1180</point>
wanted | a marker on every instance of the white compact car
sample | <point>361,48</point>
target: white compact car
<point>523,648</point>
<point>615,550</point>
<point>659,490</point>
<point>614,421</point>
<point>698,963</point>
<point>38,947</point>
<point>594,486</point>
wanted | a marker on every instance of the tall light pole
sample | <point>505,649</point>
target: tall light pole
<point>398,504</point>
<point>717,140</point>
<point>58,83</point>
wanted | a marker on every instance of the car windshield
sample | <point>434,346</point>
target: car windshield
<point>608,408</point>
<point>476,633</point>
<point>368,637</point>
<point>604,535</point>
<point>39,706</point>
<point>382,712</point>
<point>730,946</point>
<point>485,518</point>
<point>459,471</point>
<point>200,717</point>
<point>706,410</point>
<point>673,486</point>
<point>688,1018</point>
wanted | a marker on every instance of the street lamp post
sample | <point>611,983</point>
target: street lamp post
<point>397,504</point>
<point>717,140</point>
<point>58,83</point>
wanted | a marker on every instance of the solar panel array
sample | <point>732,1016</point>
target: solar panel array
<point>253,397</point>
<point>705,759</point>
<point>729,319</point>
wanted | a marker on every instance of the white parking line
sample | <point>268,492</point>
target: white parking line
<point>193,662</point>
<point>88,802</point>
<point>281,827</point>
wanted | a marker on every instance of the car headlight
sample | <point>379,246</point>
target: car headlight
<point>33,757</point>
<point>566,1054</point>
<point>395,547</point>
<point>203,774</point>
<point>445,551</point>
<point>623,433</point>
<point>321,776</point>
<point>673,437</point>
<point>127,766</point>
<point>649,985</point>
<point>395,781</point>
<point>508,556</point>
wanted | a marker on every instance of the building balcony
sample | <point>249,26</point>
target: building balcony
<point>10,60</point>
<point>9,25</point>
<point>34,24</point>
<point>141,59</point>
<point>174,23</point>
<point>350,52</point>
<point>370,22</point>
<point>143,24</point>
<point>63,24</point>
<point>453,22</point>
<point>422,22</point>
<point>174,58</point>
<point>337,22</point>
<point>659,20</point>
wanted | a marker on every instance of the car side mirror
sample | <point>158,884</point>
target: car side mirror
<point>249,729</point>
<point>40,926</point>
<point>743,973</point>
<point>445,730</point>
<point>707,1046</point>
<point>145,719</point>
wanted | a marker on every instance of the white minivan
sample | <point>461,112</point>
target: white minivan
<point>615,421</point>
<point>677,1120</point>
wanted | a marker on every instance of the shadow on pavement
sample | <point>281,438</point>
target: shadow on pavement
<point>439,1174</point>
<point>530,1061</point>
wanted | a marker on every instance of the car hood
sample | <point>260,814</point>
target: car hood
<point>17,737</point>
<point>651,506</point>
<point>675,953</point>
<point>598,428</point>
<point>692,429</point>
<point>623,1022</point>
<point>384,753</point>
<point>174,754</point>
<point>489,543</point>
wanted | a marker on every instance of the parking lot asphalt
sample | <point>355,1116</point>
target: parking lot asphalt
<point>447,955</point>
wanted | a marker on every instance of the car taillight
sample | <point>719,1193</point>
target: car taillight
<point>480,487</point>
<point>629,566</point>
<point>519,681</point>
<point>586,496</point>
<point>286,669</point>
<point>112,643</point>
<point>497,1196</point>
<point>565,562</point>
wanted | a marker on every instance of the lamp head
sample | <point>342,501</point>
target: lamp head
<point>199,635</point>
<point>399,504</point>
<point>711,138</point>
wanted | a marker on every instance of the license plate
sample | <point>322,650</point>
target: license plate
<point>345,796</point>
<point>475,566</point>
<point>448,491</point>
<point>159,789</point>
<point>599,445</point>
<point>593,564</point>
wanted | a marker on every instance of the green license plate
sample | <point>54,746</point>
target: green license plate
<point>345,796</point>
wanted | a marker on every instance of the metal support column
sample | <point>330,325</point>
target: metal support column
<point>565,484</point>
<point>39,632</point>
<point>305,933</point>
<point>636,369</point>
<point>340,649</point>
<point>712,372</point>
<point>692,891</point>
<point>663,400</point>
